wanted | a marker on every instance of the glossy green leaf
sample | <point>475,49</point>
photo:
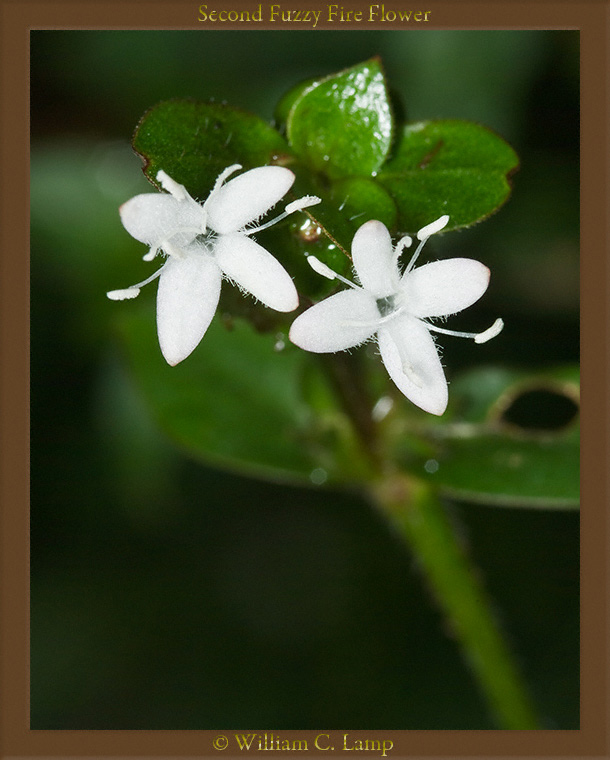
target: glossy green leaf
<point>282,109</point>
<point>448,167</point>
<point>193,142</point>
<point>361,199</point>
<point>510,439</point>
<point>342,125</point>
<point>245,401</point>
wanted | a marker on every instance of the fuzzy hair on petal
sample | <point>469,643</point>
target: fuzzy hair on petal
<point>373,257</point>
<point>246,198</point>
<point>256,271</point>
<point>189,290</point>
<point>411,359</point>
<point>339,322</point>
<point>444,287</point>
<point>152,218</point>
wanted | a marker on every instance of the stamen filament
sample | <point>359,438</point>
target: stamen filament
<point>133,290</point>
<point>404,242</point>
<point>411,263</point>
<point>423,234</point>
<point>321,268</point>
<point>482,337</point>
<point>173,188</point>
<point>298,205</point>
<point>220,180</point>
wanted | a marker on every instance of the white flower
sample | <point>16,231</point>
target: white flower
<point>394,306</point>
<point>203,243</point>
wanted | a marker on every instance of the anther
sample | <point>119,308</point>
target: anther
<point>490,333</point>
<point>432,228</point>
<point>121,295</point>
<point>327,272</point>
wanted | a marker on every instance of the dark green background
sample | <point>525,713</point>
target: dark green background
<point>169,595</point>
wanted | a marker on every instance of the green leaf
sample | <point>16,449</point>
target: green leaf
<point>342,125</point>
<point>448,167</point>
<point>282,109</point>
<point>361,199</point>
<point>510,439</point>
<point>245,401</point>
<point>193,142</point>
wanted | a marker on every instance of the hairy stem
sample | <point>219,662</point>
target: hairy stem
<point>347,379</point>
<point>419,517</point>
<point>417,514</point>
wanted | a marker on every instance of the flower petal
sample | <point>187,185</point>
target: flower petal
<point>373,257</point>
<point>189,289</point>
<point>151,218</point>
<point>339,322</point>
<point>256,270</point>
<point>409,354</point>
<point>444,287</point>
<point>247,197</point>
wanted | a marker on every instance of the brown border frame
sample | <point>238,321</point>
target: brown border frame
<point>17,17</point>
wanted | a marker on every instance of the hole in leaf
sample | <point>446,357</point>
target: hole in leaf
<point>541,409</point>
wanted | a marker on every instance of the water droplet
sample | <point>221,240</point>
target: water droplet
<point>280,342</point>
<point>318,476</point>
<point>431,466</point>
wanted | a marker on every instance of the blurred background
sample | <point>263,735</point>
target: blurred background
<point>166,594</point>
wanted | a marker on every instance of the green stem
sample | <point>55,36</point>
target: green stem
<point>415,510</point>
<point>417,513</point>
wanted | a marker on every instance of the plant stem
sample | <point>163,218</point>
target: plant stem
<point>416,512</point>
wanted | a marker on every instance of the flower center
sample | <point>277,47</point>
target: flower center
<point>386,306</point>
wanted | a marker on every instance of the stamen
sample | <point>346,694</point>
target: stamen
<point>222,177</point>
<point>433,227</point>
<point>404,242</point>
<point>423,235</point>
<point>327,272</point>
<point>121,295</point>
<point>219,182</point>
<point>321,268</point>
<point>411,263</point>
<point>482,337</point>
<point>173,188</point>
<point>134,290</point>
<point>491,332</point>
<point>301,203</point>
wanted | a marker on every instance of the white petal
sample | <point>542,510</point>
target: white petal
<point>247,197</point>
<point>151,218</point>
<point>373,257</point>
<point>444,287</point>
<point>256,270</point>
<point>339,322</point>
<point>410,356</point>
<point>189,290</point>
